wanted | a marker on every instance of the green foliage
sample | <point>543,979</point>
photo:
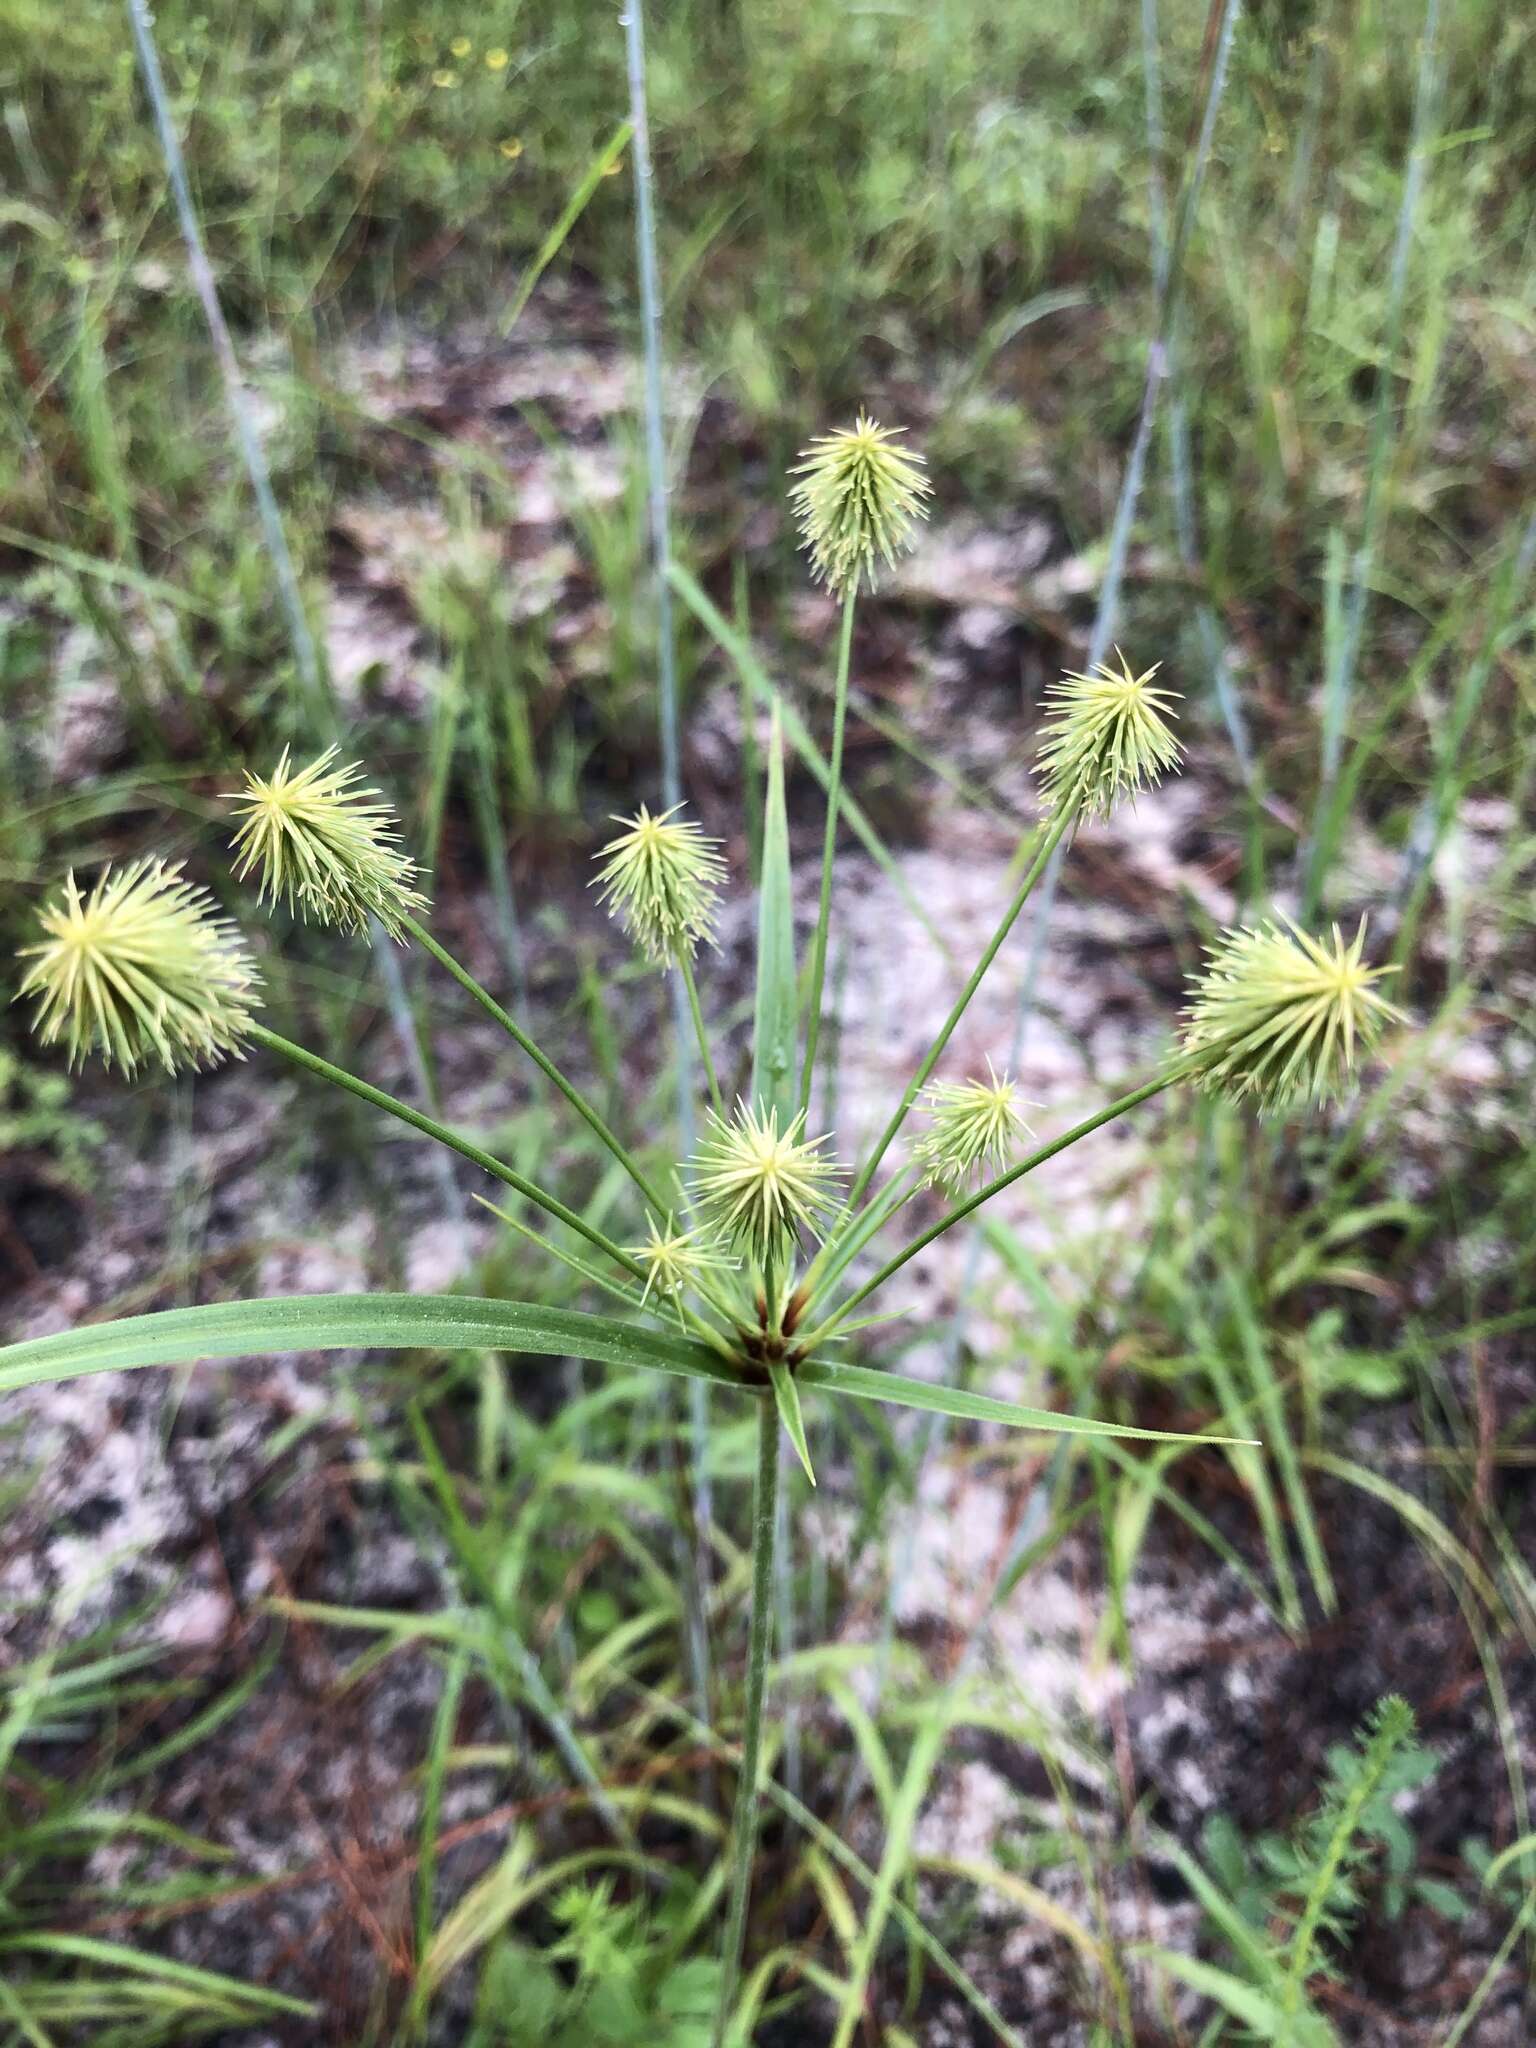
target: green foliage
<point>37,1114</point>
<point>1283,1908</point>
<point>609,1977</point>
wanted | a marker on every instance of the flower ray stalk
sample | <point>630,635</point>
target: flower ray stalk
<point>573,1095</point>
<point>958,1214</point>
<point>684,969</point>
<point>1047,840</point>
<point>258,1034</point>
<point>828,848</point>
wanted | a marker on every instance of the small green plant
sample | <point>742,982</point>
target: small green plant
<point>609,1978</point>
<point>1283,1907</point>
<point>750,1274</point>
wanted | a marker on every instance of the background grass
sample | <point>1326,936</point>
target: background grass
<point>950,212</point>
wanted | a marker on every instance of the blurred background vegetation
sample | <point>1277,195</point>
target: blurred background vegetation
<point>411,1591</point>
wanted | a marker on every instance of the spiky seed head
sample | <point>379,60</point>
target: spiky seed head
<point>760,1186</point>
<point>674,1260</point>
<point>325,845</point>
<point>1107,737</point>
<point>661,878</point>
<point>860,496</point>
<point>1279,1014</point>
<point>973,1130</point>
<point>142,969</point>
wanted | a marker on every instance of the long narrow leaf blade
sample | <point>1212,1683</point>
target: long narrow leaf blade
<point>450,1322</point>
<point>345,1322</point>
<point>867,1385</point>
<point>787,1399</point>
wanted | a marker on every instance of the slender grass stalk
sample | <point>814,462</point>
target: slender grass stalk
<point>1186,527</point>
<point>658,490</point>
<point>828,846</point>
<point>1339,682</point>
<point>744,1820</point>
<point>429,1127</point>
<point>542,1061</point>
<point>493,838</point>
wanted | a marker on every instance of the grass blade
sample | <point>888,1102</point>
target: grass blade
<point>863,1384</point>
<point>787,1399</point>
<point>351,1322</point>
<point>575,206</point>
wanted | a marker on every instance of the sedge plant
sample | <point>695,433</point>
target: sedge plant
<point>749,1264</point>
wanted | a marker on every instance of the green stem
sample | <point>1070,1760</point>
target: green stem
<point>431,1128</point>
<point>685,969</point>
<point>744,1821</point>
<point>828,845</point>
<point>1048,842</point>
<point>541,1060</point>
<point>995,1187</point>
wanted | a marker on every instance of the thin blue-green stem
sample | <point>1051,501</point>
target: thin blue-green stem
<point>1186,527</point>
<point>252,454</point>
<point>828,846</point>
<point>744,1820</point>
<point>254,459</point>
<point>657,501</point>
<point>1338,684</point>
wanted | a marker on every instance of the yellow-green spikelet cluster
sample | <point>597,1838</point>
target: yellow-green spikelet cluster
<point>661,878</point>
<point>1278,1014</point>
<point>324,844</point>
<point>858,502</point>
<point>974,1128</point>
<point>142,970</point>
<point>1107,738</point>
<point>758,1186</point>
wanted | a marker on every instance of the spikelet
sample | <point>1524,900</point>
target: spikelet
<point>859,499</point>
<point>325,846</point>
<point>1107,738</point>
<point>1278,1014</point>
<point>661,879</point>
<point>141,970</point>
<point>758,1186</point>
